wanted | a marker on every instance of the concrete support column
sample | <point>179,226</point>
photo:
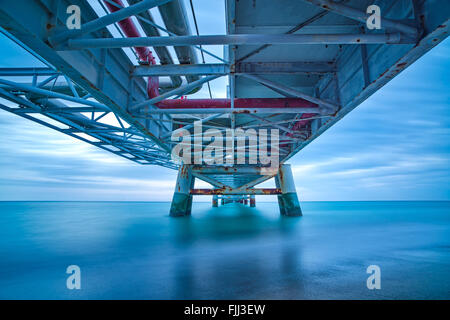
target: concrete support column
<point>252,201</point>
<point>287,200</point>
<point>222,201</point>
<point>279,197</point>
<point>215,201</point>
<point>182,199</point>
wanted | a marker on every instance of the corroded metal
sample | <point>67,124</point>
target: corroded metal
<point>254,191</point>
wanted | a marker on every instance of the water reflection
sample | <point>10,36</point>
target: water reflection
<point>237,251</point>
<point>136,251</point>
<point>232,221</point>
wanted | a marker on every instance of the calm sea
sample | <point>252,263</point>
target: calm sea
<point>133,250</point>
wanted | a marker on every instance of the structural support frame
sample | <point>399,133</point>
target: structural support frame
<point>287,200</point>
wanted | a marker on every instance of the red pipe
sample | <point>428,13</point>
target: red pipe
<point>238,103</point>
<point>145,54</point>
<point>301,123</point>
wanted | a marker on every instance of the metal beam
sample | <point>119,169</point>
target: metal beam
<point>293,30</point>
<point>285,67</point>
<point>20,72</point>
<point>299,67</point>
<point>210,180</point>
<point>154,25</point>
<point>237,39</point>
<point>178,91</point>
<point>60,110</point>
<point>262,191</point>
<point>280,110</point>
<point>232,170</point>
<point>189,126</point>
<point>47,93</point>
<point>291,91</point>
<point>181,70</point>
<point>255,182</point>
<point>108,19</point>
<point>273,124</point>
<point>361,16</point>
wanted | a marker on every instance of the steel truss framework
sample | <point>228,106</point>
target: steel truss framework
<point>322,58</point>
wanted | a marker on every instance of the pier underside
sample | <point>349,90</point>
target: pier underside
<point>122,82</point>
<point>234,192</point>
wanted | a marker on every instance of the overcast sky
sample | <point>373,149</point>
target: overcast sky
<point>394,146</point>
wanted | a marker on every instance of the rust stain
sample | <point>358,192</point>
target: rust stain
<point>227,190</point>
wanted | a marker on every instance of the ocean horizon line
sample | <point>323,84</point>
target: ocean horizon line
<point>169,201</point>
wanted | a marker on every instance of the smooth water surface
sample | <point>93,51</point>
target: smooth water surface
<point>134,250</point>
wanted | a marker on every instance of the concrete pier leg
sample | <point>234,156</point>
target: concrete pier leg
<point>280,197</point>
<point>189,206</point>
<point>182,199</point>
<point>222,201</point>
<point>288,200</point>
<point>215,201</point>
<point>252,201</point>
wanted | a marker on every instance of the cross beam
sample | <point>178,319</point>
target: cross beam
<point>20,72</point>
<point>299,67</point>
<point>178,91</point>
<point>251,191</point>
<point>237,39</point>
<point>291,92</point>
<point>280,110</point>
<point>361,16</point>
<point>108,19</point>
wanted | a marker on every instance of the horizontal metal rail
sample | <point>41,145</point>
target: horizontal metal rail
<point>290,91</point>
<point>52,94</point>
<point>280,110</point>
<point>20,72</point>
<point>108,19</point>
<point>240,68</point>
<point>238,39</point>
<point>361,16</point>
<point>230,191</point>
<point>178,91</point>
<point>231,170</point>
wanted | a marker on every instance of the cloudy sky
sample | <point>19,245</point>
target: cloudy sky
<point>394,146</point>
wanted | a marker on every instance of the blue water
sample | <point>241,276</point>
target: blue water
<point>135,251</point>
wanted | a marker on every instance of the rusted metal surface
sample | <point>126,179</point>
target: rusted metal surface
<point>238,103</point>
<point>226,191</point>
